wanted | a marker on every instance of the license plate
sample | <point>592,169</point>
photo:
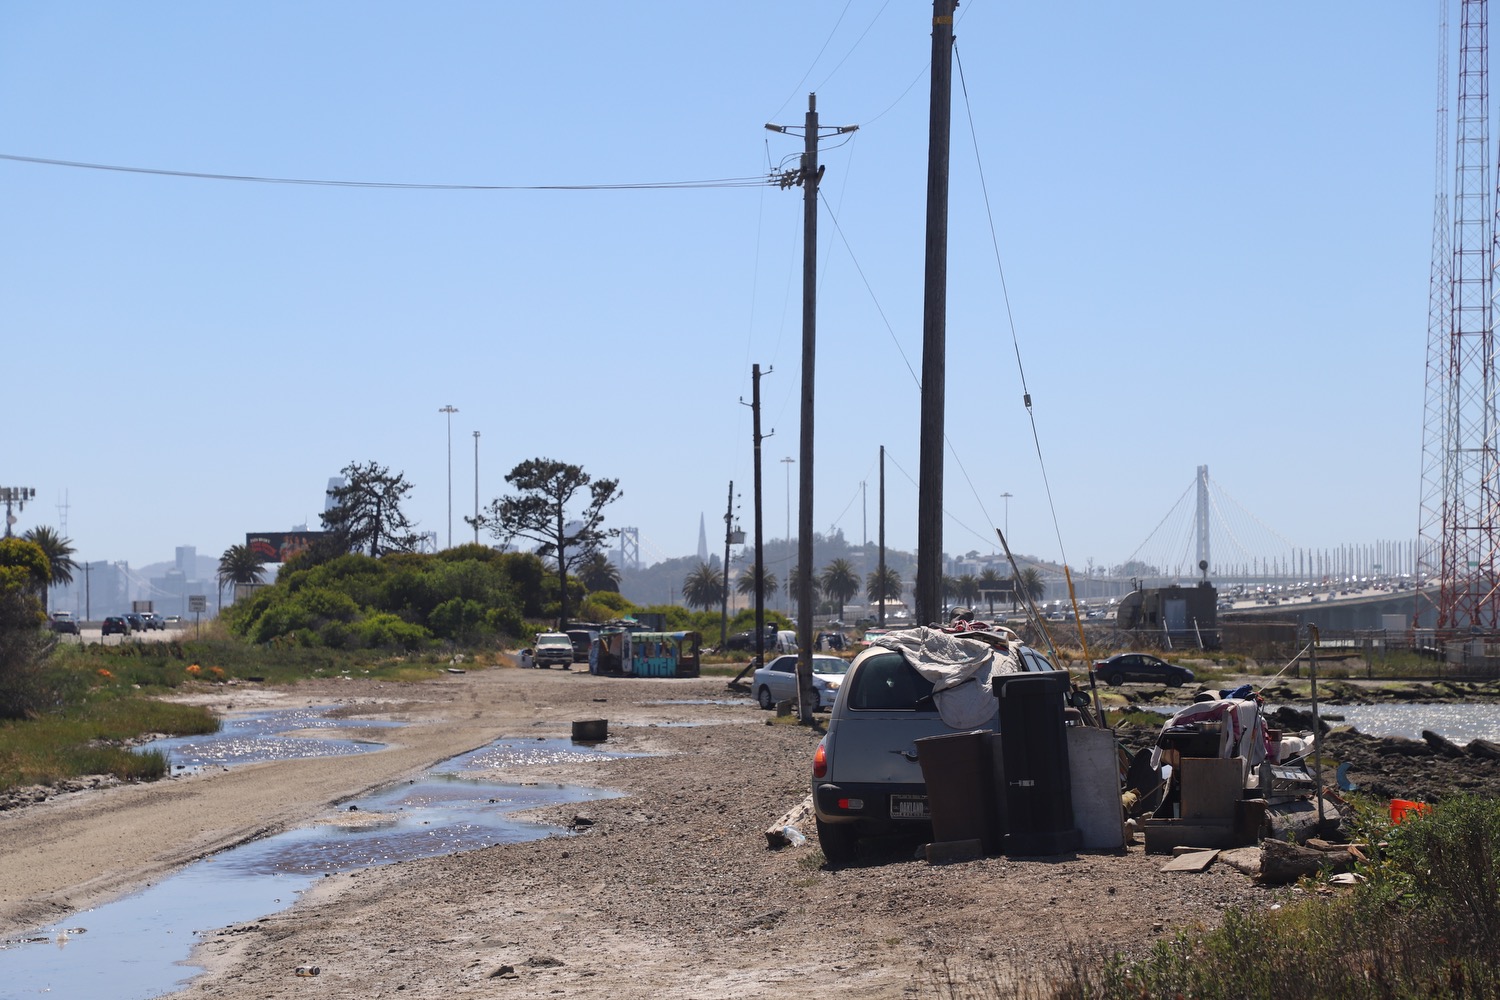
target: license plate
<point>909,807</point>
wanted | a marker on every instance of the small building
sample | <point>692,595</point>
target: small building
<point>1182,616</point>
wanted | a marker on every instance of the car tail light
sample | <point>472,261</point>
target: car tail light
<point>851,805</point>
<point>820,760</point>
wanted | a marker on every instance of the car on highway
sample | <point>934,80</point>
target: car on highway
<point>1140,667</point>
<point>63,622</point>
<point>777,680</point>
<point>866,779</point>
<point>153,620</point>
<point>137,623</point>
<point>115,625</point>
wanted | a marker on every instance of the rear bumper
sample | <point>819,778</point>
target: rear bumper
<point>867,802</point>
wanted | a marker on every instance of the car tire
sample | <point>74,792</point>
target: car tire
<point>1175,681</point>
<point>839,841</point>
<point>764,699</point>
<point>1115,680</point>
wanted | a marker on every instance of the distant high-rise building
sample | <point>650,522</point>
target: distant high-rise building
<point>702,540</point>
<point>187,560</point>
<point>334,483</point>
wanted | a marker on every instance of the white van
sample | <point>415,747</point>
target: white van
<point>786,641</point>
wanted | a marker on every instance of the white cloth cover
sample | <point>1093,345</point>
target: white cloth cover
<point>960,668</point>
<point>1243,733</point>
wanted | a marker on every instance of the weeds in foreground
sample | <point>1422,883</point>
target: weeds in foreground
<point>91,739</point>
<point>1425,923</point>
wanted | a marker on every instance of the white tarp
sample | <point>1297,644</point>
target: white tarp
<point>960,668</point>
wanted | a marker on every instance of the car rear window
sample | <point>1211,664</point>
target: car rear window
<point>886,682</point>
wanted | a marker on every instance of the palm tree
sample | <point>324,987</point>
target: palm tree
<point>704,587</point>
<point>238,565</point>
<point>1030,583</point>
<point>794,584</point>
<point>745,585</point>
<point>598,573</point>
<point>967,588</point>
<point>878,588</point>
<point>59,553</point>
<point>840,582</point>
<point>989,583</point>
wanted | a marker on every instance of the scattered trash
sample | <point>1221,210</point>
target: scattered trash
<point>1402,808</point>
<point>308,970</point>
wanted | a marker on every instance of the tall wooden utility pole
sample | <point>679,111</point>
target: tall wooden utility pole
<point>760,556</point>
<point>929,586</point>
<point>808,175</point>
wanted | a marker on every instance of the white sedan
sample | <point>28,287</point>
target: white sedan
<point>777,680</point>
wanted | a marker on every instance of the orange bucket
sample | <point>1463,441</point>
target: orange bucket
<point>1401,808</point>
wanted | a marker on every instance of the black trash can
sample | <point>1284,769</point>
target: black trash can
<point>1037,790</point>
<point>960,787</point>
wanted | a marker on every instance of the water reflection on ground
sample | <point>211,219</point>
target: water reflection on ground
<point>281,734</point>
<point>137,947</point>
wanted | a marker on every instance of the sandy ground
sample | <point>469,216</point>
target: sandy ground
<point>667,892</point>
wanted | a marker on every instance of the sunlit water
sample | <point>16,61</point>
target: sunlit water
<point>137,947</point>
<point>1457,723</point>
<point>283,734</point>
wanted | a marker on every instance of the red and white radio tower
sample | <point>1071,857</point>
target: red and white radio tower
<point>1456,541</point>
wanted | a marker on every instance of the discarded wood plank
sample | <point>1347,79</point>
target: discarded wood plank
<point>779,833</point>
<point>1191,861</point>
<point>1281,863</point>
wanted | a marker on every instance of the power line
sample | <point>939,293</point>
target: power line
<point>726,182</point>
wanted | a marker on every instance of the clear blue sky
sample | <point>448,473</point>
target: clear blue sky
<point>1214,222</point>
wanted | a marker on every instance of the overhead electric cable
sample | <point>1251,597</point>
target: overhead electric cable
<point>724,182</point>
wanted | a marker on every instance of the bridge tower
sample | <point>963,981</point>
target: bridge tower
<point>1457,533</point>
<point>1202,518</point>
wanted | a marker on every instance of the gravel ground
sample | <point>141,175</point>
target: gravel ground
<point>669,891</point>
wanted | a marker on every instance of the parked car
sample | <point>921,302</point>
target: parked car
<point>137,623</point>
<point>63,621</point>
<point>866,778</point>
<point>553,647</point>
<point>746,639</point>
<point>582,639</point>
<point>777,680</point>
<point>1141,667</point>
<point>115,625</point>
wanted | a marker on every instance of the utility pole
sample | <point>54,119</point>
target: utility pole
<point>929,589</point>
<point>724,606</point>
<point>760,557</point>
<point>476,487</point>
<point>808,175</point>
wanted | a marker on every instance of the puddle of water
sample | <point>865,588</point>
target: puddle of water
<point>137,947</point>
<point>250,738</point>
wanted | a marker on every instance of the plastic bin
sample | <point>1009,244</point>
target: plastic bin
<point>1038,790</point>
<point>960,787</point>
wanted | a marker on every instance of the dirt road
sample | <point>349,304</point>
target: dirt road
<point>667,892</point>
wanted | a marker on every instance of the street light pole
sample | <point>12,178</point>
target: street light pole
<point>1006,497</point>
<point>450,409</point>
<point>476,487</point>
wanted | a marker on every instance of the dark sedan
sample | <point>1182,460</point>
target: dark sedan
<point>1142,667</point>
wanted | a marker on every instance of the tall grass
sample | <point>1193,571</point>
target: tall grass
<point>92,739</point>
<point>1425,923</point>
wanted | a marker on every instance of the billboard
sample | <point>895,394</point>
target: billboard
<point>279,546</point>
